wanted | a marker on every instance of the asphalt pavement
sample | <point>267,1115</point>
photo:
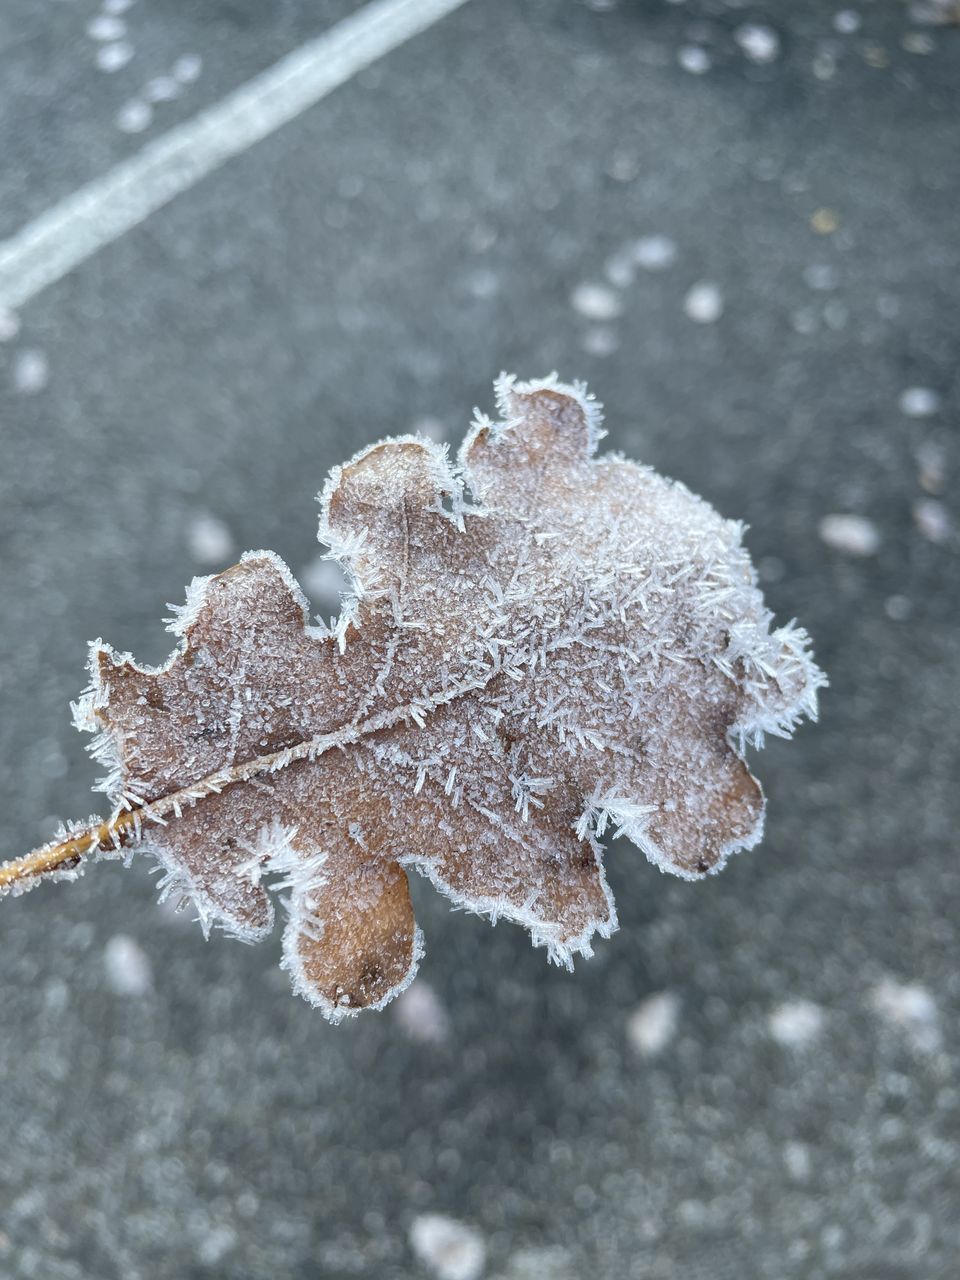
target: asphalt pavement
<point>739,225</point>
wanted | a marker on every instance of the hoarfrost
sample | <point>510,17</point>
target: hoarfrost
<point>576,650</point>
<point>452,1250</point>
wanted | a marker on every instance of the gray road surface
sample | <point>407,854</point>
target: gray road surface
<point>369,269</point>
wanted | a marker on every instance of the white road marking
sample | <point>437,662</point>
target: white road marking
<point>48,248</point>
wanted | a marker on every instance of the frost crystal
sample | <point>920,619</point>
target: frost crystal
<point>538,648</point>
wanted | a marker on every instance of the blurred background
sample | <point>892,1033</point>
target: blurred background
<point>739,223</point>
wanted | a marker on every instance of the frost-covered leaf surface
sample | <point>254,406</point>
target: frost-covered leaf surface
<point>541,647</point>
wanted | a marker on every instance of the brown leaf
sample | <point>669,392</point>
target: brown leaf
<point>540,647</point>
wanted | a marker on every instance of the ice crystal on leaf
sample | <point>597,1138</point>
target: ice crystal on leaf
<point>539,648</point>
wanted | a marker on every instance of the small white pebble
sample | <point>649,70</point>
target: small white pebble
<point>759,43</point>
<point>805,320</point>
<point>847,22</point>
<point>323,580</point>
<point>933,520</point>
<point>113,57</point>
<point>897,608</point>
<point>912,1010</point>
<point>771,569</point>
<point>932,13</point>
<point>919,402</point>
<point>820,275</point>
<point>694,58</point>
<point>824,65</point>
<point>931,467</point>
<point>208,539</point>
<point>187,68</point>
<point>796,1023</point>
<point>106,27</point>
<point>430,427</point>
<point>596,301</point>
<point>9,324</point>
<point>216,1244</point>
<point>624,167</point>
<point>832,1237</point>
<point>421,1014</point>
<point>161,89</point>
<point>653,253</point>
<point>917,42</point>
<point>835,314</point>
<point>797,1161</point>
<point>452,1250</point>
<point>653,1024</point>
<point>483,283</point>
<point>704,303</point>
<point>56,995</point>
<point>127,967</point>
<point>134,116</point>
<point>620,270</point>
<point>543,1263</point>
<point>853,535</point>
<point>31,371</point>
<point>600,341</point>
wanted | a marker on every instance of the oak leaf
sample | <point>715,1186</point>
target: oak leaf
<point>539,648</point>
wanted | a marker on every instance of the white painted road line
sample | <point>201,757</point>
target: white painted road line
<point>48,248</point>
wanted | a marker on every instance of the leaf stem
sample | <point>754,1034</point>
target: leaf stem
<point>125,826</point>
<point>63,855</point>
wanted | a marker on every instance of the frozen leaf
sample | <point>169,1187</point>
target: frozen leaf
<point>539,649</point>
